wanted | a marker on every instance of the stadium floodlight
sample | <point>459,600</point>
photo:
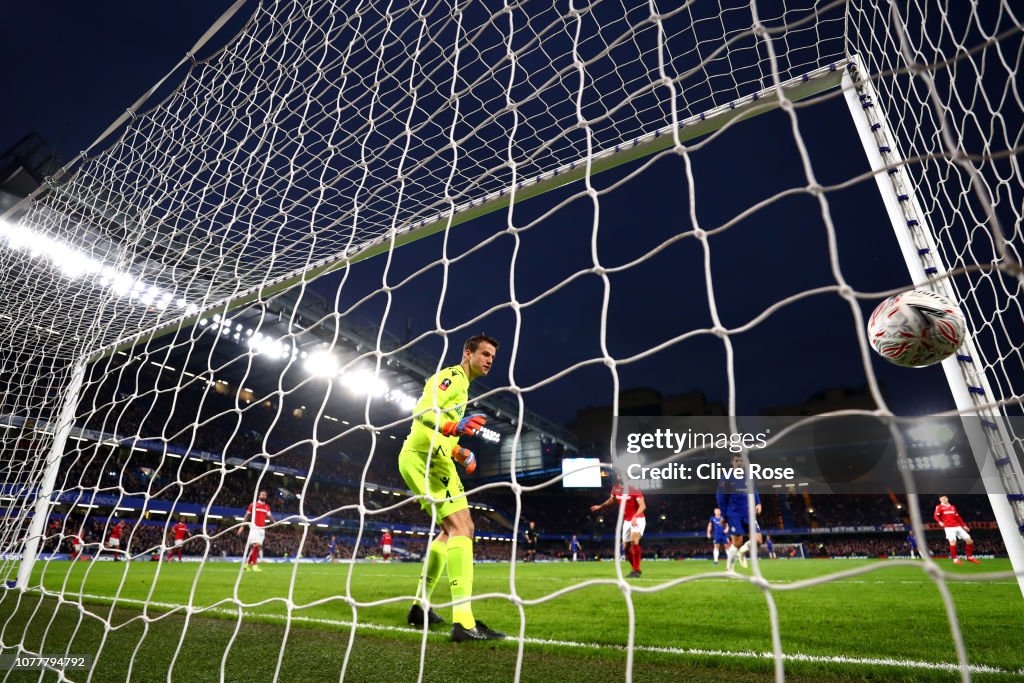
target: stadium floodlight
<point>321,363</point>
<point>73,263</point>
<point>122,284</point>
<point>106,276</point>
<point>489,435</point>
<point>931,432</point>
<point>70,262</point>
<point>264,345</point>
<point>13,234</point>
<point>363,382</point>
<point>402,401</point>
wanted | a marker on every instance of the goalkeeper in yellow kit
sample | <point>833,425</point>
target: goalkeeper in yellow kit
<point>427,463</point>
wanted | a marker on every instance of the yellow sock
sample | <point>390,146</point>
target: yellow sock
<point>460,578</point>
<point>437,558</point>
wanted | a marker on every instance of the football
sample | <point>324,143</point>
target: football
<point>916,328</point>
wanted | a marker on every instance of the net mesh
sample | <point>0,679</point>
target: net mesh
<point>179,258</point>
<point>312,136</point>
<point>965,103</point>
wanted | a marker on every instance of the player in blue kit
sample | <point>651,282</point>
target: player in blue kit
<point>717,530</point>
<point>331,548</point>
<point>732,499</point>
<point>574,547</point>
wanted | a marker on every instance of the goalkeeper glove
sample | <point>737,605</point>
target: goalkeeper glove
<point>467,426</point>
<point>465,457</point>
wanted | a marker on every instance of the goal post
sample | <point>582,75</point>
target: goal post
<point>44,501</point>
<point>993,449</point>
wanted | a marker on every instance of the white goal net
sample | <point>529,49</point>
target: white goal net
<point>243,285</point>
<point>787,551</point>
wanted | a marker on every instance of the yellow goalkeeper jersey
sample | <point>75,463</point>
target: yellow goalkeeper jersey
<point>448,390</point>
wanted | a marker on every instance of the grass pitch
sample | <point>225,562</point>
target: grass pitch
<point>876,620</point>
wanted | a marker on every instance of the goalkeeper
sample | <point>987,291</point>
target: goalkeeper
<point>427,463</point>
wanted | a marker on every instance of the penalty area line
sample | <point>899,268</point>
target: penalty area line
<point>571,644</point>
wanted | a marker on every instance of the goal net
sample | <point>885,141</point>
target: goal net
<point>244,284</point>
<point>789,551</point>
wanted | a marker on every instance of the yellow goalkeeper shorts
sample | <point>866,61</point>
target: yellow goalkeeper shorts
<point>443,480</point>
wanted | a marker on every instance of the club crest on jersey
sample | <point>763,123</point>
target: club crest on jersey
<point>445,383</point>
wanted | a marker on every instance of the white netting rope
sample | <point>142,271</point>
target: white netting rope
<point>253,159</point>
<point>399,170</point>
<point>969,203</point>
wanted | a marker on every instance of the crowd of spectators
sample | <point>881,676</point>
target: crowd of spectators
<point>151,539</point>
<point>892,544</point>
<point>334,455</point>
<point>557,512</point>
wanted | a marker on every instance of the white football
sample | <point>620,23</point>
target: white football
<point>916,328</point>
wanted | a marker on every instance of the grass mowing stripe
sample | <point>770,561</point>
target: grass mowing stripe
<point>794,657</point>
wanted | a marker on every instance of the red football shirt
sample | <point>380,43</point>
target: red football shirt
<point>116,531</point>
<point>180,531</point>
<point>385,539</point>
<point>258,512</point>
<point>947,516</point>
<point>633,498</point>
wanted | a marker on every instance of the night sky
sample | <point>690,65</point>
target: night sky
<point>74,71</point>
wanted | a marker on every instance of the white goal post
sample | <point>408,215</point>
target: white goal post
<point>994,450</point>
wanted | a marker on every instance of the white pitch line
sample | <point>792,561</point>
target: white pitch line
<point>749,654</point>
<point>720,578</point>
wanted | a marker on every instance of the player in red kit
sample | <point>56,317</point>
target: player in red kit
<point>385,545</point>
<point>76,546</point>
<point>259,513</point>
<point>633,520</point>
<point>950,521</point>
<point>114,542</point>
<point>180,531</point>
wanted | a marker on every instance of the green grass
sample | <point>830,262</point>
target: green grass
<point>704,629</point>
